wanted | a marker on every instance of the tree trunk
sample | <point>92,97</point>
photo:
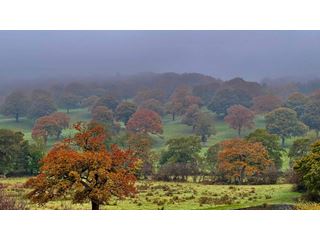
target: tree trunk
<point>173,116</point>
<point>282,141</point>
<point>58,135</point>
<point>17,117</point>
<point>68,110</point>
<point>239,132</point>
<point>94,205</point>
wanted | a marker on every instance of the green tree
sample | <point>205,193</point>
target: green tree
<point>16,105</point>
<point>226,97</point>
<point>284,122</point>
<point>300,148</point>
<point>107,101</point>
<point>270,142</point>
<point>211,159</point>
<point>125,110</point>
<point>296,101</point>
<point>308,168</point>
<point>69,101</point>
<point>204,126</point>
<point>36,152</point>
<point>181,157</point>
<point>311,115</point>
<point>12,150</point>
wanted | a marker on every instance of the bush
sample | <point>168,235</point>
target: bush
<point>176,171</point>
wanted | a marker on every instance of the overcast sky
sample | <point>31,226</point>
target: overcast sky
<point>224,54</point>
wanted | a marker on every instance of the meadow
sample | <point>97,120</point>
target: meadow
<point>154,195</point>
<point>166,195</point>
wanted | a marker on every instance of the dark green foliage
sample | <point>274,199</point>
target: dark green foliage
<point>13,150</point>
<point>16,105</point>
<point>125,110</point>
<point>107,101</point>
<point>69,101</point>
<point>36,152</point>
<point>225,98</point>
<point>300,148</point>
<point>181,158</point>
<point>183,149</point>
<point>211,158</point>
<point>311,115</point>
<point>308,168</point>
<point>296,102</point>
<point>284,122</point>
<point>204,126</point>
<point>271,143</point>
<point>206,91</point>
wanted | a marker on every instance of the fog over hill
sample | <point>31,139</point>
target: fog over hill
<point>252,55</point>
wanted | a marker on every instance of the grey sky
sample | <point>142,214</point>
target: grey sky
<point>225,54</point>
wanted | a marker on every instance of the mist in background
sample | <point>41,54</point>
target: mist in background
<point>252,55</point>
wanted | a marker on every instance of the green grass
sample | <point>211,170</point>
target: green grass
<point>161,195</point>
<point>171,129</point>
<point>179,196</point>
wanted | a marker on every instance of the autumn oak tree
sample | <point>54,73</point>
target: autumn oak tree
<point>102,114</point>
<point>82,169</point>
<point>266,103</point>
<point>51,125</point>
<point>239,117</point>
<point>180,100</point>
<point>154,105</point>
<point>270,142</point>
<point>145,121</point>
<point>191,116</point>
<point>243,162</point>
<point>42,104</point>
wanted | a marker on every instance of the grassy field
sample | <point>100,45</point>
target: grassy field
<point>161,195</point>
<point>179,196</point>
<point>171,129</point>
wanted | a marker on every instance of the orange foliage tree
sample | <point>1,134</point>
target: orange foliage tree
<point>82,169</point>
<point>180,100</point>
<point>145,121</point>
<point>239,117</point>
<point>102,114</point>
<point>243,162</point>
<point>266,103</point>
<point>51,125</point>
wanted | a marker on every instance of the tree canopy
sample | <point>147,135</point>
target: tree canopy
<point>239,117</point>
<point>82,168</point>
<point>284,122</point>
<point>16,105</point>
